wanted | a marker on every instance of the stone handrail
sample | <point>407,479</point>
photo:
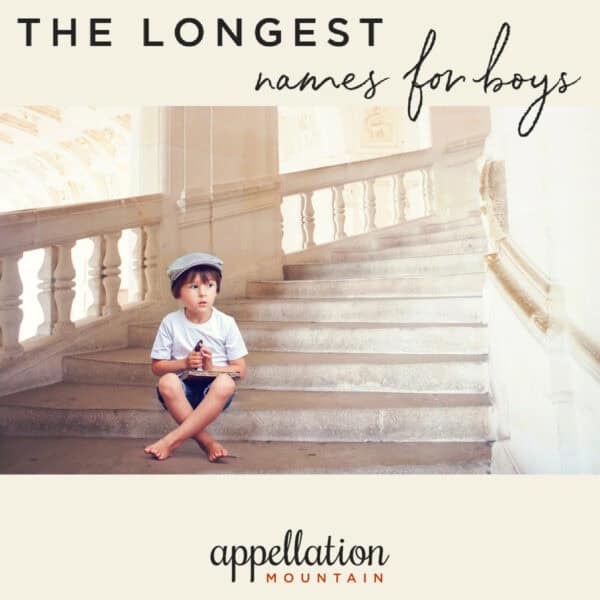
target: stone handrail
<point>515,281</point>
<point>24,230</point>
<point>335,177</point>
<point>56,230</point>
<point>362,170</point>
<point>528,289</point>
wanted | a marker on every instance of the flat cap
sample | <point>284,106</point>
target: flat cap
<point>195,259</point>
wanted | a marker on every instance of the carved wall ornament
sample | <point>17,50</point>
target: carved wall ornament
<point>54,159</point>
<point>21,122</point>
<point>125,121</point>
<point>53,112</point>
<point>379,128</point>
<point>91,145</point>
<point>104,138</point>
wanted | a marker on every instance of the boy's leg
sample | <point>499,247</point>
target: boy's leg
<point>177,404</point>
<point>192,422</point>
<point>179,408</point>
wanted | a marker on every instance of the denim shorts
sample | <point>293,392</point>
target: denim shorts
<point>195,392</point>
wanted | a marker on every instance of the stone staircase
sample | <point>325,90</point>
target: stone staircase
<point>378,338</point>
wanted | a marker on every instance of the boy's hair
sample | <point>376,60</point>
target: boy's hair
<point>203,270</point>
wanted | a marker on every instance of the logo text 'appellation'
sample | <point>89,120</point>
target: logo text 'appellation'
<point>292,552</point>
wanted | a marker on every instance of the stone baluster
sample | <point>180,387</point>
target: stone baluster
<point>136,285</point>
<point>308,220</point>
<point>282,222</point>
<point>339,212</point>
<point>46,291</point>
<point>400,199</point>
<point>111,273</point>
<point>427,186</point>
<point>95,277</point>
<point>369,204</point>
<point>64,283</point>
<point>11,314</point>
<point>151,248</point>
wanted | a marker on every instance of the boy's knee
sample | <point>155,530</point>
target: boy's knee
<point>223,385</point>
<point>168,383</point>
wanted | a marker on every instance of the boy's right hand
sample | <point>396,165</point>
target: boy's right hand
<point>193,360</point>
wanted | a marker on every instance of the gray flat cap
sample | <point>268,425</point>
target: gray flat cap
<point>196,259</point>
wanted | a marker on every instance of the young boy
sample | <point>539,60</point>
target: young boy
<point>194,403</point>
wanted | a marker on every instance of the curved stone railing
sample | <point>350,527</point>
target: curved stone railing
<point>542,391</point>
<point>367,172</point>
<point>527,288</point>
<point>56,230</point>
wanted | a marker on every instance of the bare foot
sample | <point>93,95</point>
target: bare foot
<point>215,451</point>
<point>161,450</point>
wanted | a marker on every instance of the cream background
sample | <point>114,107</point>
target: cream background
<point>101,537</point>
<point>448,537</point>
<point>129,73</point>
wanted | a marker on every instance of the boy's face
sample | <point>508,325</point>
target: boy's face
<point>199,296</point>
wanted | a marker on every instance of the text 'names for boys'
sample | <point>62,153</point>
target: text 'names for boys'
<point>337,32</point>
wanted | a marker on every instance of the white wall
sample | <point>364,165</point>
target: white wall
<point>520,380</point>
<point>244,143</point>
<point>552,185</point>
<point>311,137</point>
<point>455,131</point>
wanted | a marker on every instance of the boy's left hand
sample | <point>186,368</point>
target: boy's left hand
<point>207,363</point>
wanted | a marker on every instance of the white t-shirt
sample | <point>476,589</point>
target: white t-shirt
<point>177,336</point>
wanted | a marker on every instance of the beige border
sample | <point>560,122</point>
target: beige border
<point>73,538</point>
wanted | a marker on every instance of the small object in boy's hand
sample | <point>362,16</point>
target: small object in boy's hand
<point>198,346</point>
<point>199,373</point>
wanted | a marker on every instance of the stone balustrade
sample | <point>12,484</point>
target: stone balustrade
<point>338,178</point>
<point>56,230</point>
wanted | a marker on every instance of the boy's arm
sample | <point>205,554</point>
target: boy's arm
<point>238,365</point>
<point>161,367</point>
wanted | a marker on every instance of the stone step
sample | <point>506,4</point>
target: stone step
<point>388,267</point>
<point>432,285</point>
<point>431,224</point>
<point>436,249</point>
<point>42,455</point>
<point>338,337</point>
<point>445,224</point>
<point>366,337</point>
<point>426,225</point>
<point>401,236</point>
<point>71,409</point>
<point>431,237</point>
<point>460,309</point>
<point>306,371</point>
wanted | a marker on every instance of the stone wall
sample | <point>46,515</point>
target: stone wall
<point>551,389</point>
